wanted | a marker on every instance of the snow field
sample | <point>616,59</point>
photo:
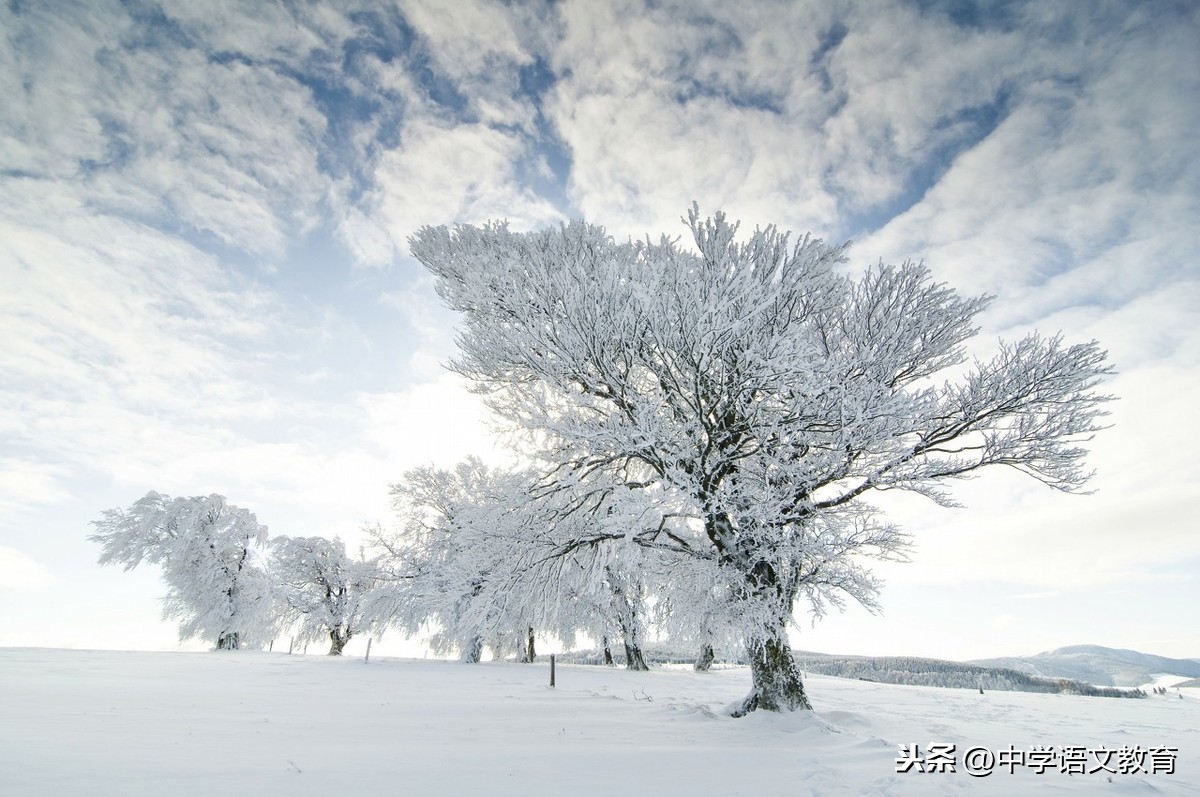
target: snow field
<point>117,723</point>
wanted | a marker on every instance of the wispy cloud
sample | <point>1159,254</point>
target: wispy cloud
<point>204,211</point>
<point>148,124</point>
<point>20,572</point>
<point>464,172</point>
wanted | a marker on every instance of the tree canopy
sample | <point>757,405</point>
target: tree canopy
<point>322,588</point>
<point>732,407</point>
<point>209,550</point>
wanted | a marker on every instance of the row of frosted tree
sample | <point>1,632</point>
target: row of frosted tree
<point>228,583</point>
<point>701,429</point>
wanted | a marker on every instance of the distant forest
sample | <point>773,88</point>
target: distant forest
<point>952,674</point>
<point>897,670</point>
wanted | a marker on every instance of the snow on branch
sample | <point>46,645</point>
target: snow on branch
<point>724,411</point>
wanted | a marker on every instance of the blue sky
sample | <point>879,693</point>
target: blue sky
<point>205,285</point>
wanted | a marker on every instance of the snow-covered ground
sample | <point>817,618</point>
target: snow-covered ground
<point>111,723</point>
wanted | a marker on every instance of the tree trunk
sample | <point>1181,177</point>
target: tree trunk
<point>528,655</point>
<point>473,652</point>
<point>628,620</point>
<point>633,658</point>
<point>339,640</point>
<point>608,659</point>
<point>778,685</point>
<point>705,658</point>
<point>228,640</point>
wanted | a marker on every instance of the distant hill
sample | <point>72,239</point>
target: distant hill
<point>895,670</point>
<point>951,674</point>
<point>1097,665</point>
<point>1078,669</point>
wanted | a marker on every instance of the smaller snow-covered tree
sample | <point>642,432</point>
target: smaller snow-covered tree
<point>695,609</point>
<point>324,589</point>
<point>627,593</point>
<point>209,550</point>
<point>437,566</point>
<point>614,604</point>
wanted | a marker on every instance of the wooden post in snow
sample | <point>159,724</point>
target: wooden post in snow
<point>368,658</point>
<point>551,669</point>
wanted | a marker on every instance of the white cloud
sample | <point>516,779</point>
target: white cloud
<point>267,31</point>
<point>165,134</point>
<point>98,300</point>
<point>26,484</point>
<point>1004,622</point>
<point>158,178</point>
<point>1075,211</point>
<point>481,46</point>
<point>367,239</point>
<point>1095,153</point>
<point>907,78</point>
<point>652,123</point>
<point>34,482</point>
<point>454,173</point>
<point>20,572</point>
<point>437,422</point>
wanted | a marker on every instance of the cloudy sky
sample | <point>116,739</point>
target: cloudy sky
<point>205,285</point>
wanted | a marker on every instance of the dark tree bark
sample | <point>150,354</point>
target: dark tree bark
<point>338,638</point>
<point>473,652</point>
<point>704,658</point>
<point>529,655</point>
<point>608,657</point>
<point>230,640</point>
<point>629,623</point>
<point>778,684</point>
<point>633,658</point>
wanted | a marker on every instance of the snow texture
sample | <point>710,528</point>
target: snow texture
<point>113,723</point>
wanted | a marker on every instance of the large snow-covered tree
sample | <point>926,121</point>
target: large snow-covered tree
<point>323,589</point>
<point>210,554</point>
<point>756,393</point>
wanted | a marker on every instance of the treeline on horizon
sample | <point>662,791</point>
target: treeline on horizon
<point>914,671</point>
<point>903,670</point>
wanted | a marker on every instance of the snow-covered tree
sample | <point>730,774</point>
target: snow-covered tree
<point>440,563</point>
<point>210,554</point>
<point>626,594</point>
<point>611,608</point>
<point>615,603</point>
<point>478,562</point>
<point>694,611</point>
<point>755,393</point>
<point>324,589</point>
